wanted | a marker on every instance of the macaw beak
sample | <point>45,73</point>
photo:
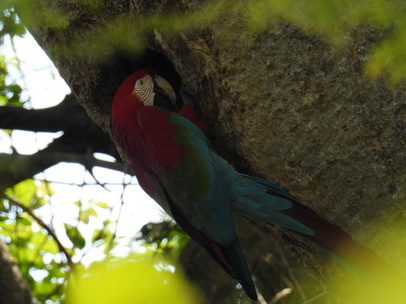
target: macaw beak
<point>165,96</point>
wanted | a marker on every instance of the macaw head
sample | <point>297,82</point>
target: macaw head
<point>148,88</point>
<point>141,89</point>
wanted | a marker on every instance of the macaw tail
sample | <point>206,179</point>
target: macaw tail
<point>230,258</point>
<point>275,205</point>
<point>356,258</point>
<point>233,261</point>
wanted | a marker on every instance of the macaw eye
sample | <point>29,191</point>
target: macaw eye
<point>139,84</point>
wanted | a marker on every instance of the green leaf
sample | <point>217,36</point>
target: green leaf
<point>3,218</point>
<point>23,221</point>
<point>75,236</point>
<point>57,271</point>
<point>38,238</point>
<point>107,222</point>
<point>92,212</point>
<point>45,189</point>
<point>28,254</point>
<point>7,228</point>
<point>84,217</point>
<point>103,205</point>
<point>43,290</point>
<point>25,191</point>
<point>106,235</point>
<point>50,246</point>
<point>43,242</point>
<point>96,235</point>
<point>31,193</point>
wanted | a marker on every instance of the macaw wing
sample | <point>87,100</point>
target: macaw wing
<point>150,183</point>
<point>177,151</point>
<point>195,189</point>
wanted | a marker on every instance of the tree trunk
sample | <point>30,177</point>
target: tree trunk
<point>13,288</point>
<point>280,104</point>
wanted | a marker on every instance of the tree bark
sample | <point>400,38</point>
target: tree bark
<point>13,288</point>
<point>280,104</point>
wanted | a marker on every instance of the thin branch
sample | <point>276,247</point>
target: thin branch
<point>83,184</point>
<point>291,274</point>
<point>119,212</point>
<point>16,202</point>
<point>315,298</point>
<point>281,295</point>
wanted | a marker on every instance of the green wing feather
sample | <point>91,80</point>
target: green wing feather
<point>178,152</point>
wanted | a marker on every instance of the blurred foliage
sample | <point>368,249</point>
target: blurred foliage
<point>135,279</point>
<point>334,21</point>
<point>384,287</point>
<point>34,250</point>
<point>47,269</point>
<point>9,22</point>
<point>10,25</point>
<point>43,260</point>
<point>165,238</point>
<point>10,94</point>
<point>45,13</point>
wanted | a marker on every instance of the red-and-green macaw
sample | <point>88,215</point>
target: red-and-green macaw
<point>177,167</point>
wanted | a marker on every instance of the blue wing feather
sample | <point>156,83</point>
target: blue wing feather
<point>260,199</point>
<point>195,189</point>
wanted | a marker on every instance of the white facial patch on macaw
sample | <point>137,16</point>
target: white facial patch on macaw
<point>144,89</point>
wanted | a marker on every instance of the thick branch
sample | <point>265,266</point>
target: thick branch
<point>80,140</point>
<point>80,133</point>
<point>43,120</point>
<point>16,168</point>
<point>51,119</point>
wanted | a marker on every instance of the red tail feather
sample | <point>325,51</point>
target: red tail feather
<point>340,243</point>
